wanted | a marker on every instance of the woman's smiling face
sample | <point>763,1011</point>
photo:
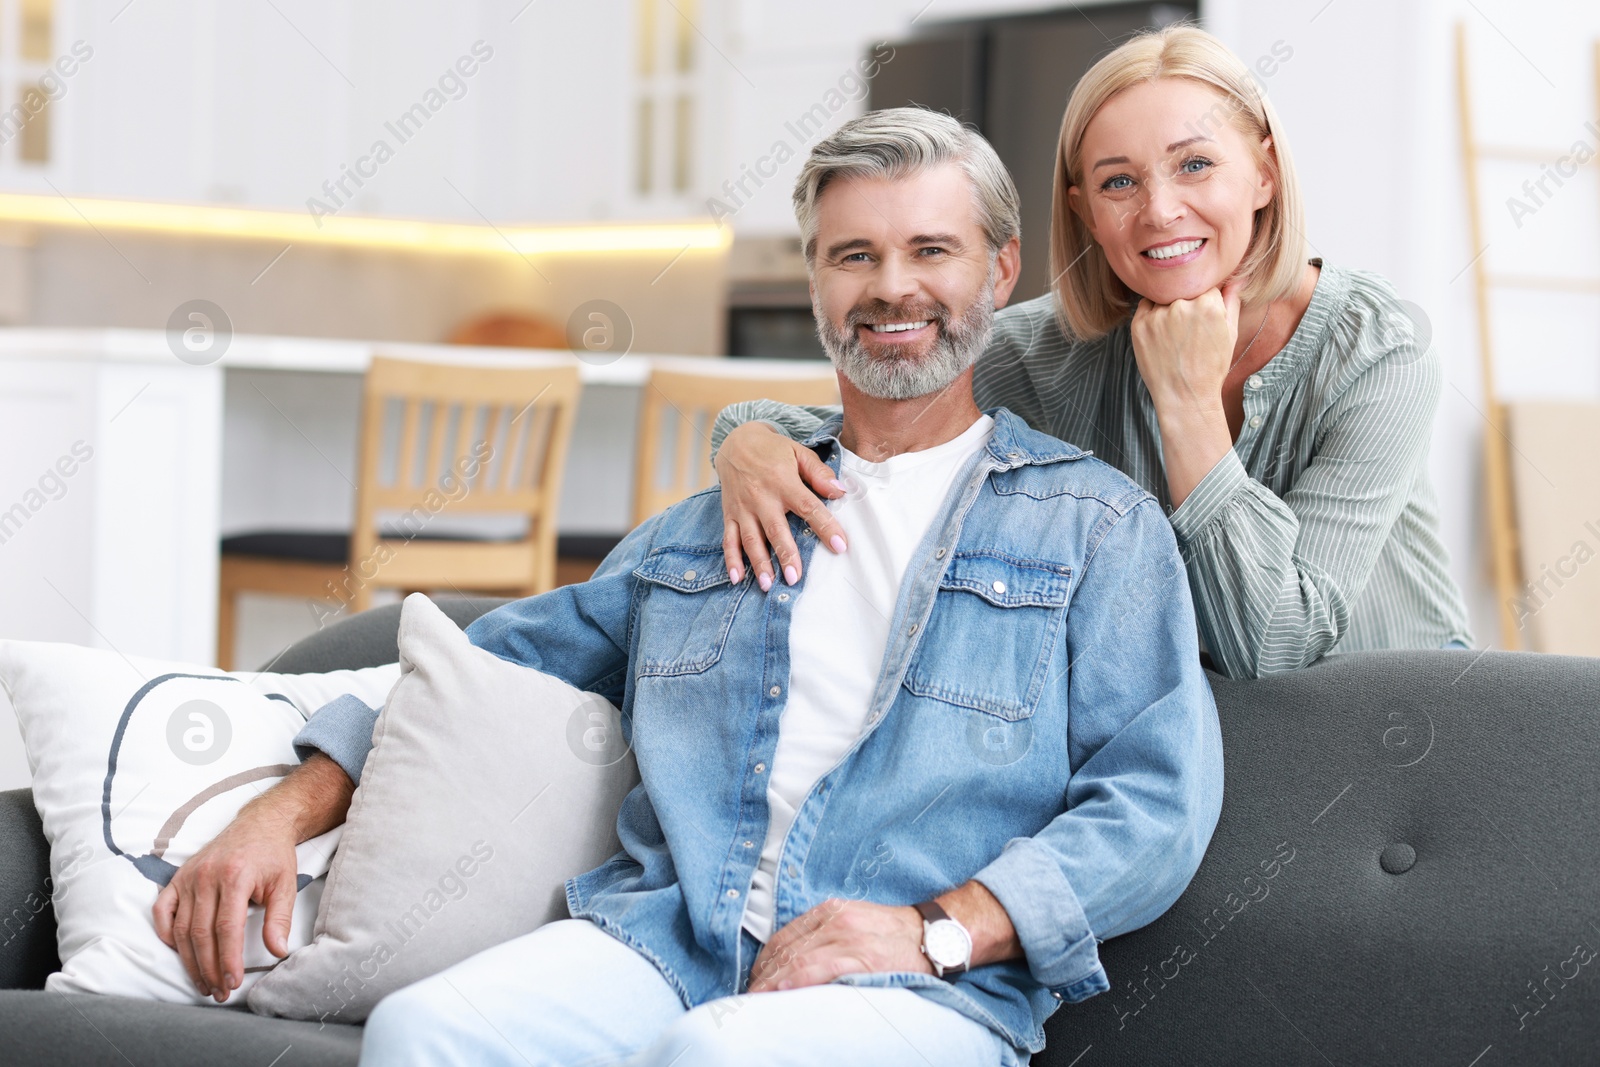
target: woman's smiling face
<point>1170,188</point>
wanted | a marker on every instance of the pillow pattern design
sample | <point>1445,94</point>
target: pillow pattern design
<point>199,721</point>
<point>137,764</point>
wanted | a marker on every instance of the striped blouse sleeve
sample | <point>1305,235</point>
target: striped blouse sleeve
<point>1274,579</point>
<point>792,420</point>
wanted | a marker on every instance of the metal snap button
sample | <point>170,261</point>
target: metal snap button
<point>690,576</point>
<point>760,767</point>
<point>782,597</point>
<point>733,894</point>
<point>999,586</point>
<point>774,691</point>
<point>938,553</point>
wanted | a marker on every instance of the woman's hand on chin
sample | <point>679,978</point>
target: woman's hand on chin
<point>1185,349</point>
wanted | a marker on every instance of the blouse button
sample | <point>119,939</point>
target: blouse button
<point>749,844</point>
<point>938,553</point>
<point>1255,421</point>
<point>760,767</point>
<point>999,587</point>
<point>733,894</point>
<point>1254,381</point>
<point>774,691</point>
<point>782,597</point>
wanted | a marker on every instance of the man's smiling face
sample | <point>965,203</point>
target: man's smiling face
<point>903,282</point>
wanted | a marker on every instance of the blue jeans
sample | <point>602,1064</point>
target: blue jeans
<point>571,995</point>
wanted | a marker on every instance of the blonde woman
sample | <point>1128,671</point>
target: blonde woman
<point>1279,408</point>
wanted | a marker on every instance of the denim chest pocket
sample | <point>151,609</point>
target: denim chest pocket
<point>988,644</point>
<point>687,611</point>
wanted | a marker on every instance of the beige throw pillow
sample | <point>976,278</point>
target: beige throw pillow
<point>474,808</point>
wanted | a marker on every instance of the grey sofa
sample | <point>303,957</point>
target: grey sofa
<point>1407,871</point>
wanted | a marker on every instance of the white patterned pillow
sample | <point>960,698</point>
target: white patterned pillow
<point>136,764</point>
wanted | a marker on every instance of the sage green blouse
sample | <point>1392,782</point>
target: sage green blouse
<point>1319,532</point>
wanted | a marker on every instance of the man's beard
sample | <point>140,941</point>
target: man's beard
<point>956,347</point>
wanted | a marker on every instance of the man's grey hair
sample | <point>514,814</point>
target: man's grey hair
<point>896,143</point>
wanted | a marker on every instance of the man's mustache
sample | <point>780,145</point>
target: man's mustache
<point>879,312</point>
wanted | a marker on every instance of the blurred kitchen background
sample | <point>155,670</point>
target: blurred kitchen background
<point>213,216</point>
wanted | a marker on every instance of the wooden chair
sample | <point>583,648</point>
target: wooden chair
<point>679,396</point>
<point>436,439</point>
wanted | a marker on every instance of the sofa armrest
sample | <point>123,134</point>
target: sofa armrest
<point>27,919</point>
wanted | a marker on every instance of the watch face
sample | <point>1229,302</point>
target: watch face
<point>948,943</point>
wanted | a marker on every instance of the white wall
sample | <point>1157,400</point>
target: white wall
<point>1369,100</point>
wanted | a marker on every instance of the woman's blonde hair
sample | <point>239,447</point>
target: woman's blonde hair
<point>1090,298</point>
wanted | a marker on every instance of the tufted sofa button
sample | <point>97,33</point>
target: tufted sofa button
<point>1398,858</point>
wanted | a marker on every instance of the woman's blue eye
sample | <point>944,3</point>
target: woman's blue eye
<point>1112,183</point>
<point>1194,165</point>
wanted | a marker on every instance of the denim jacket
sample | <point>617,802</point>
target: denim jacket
<point>1040,723</point>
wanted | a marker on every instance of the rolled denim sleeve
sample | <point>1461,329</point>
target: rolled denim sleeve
<point>578,633</point>
<point>341,730</point>
<point>1146,755</point>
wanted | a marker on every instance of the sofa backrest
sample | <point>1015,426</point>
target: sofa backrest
<point>27,920</point>
<point>369,639</point>
<point>1405,871</point>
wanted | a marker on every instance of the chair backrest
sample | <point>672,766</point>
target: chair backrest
<point>462,438</point>
<point>679,405</point>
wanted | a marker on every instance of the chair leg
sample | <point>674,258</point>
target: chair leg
<point>227,624</point>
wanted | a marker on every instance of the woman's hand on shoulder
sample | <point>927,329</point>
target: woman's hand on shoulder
<point>1185,349</point>
<point>765,476</point>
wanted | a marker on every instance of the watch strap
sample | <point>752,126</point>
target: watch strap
<point>931,911</point>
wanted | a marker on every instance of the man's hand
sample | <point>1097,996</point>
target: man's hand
<point>839,937</point>
<point>201,912</point>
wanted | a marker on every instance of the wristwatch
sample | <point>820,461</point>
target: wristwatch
<point>945,942</point>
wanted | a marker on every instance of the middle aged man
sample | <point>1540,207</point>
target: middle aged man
<point>886,813</point>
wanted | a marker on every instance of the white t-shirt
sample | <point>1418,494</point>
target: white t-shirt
<point>840,628</point>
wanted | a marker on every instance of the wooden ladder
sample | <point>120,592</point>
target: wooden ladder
<point>1503,537</point>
